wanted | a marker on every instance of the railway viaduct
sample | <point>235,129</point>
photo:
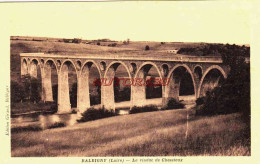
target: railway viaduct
<point>204,72</point>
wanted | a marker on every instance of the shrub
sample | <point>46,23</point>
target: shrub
<point>76,40</point>
<point>66,40</point>
<point>17,92</point>
<point>56,125</point>
<point>126,42</point>
<point>25,129</point>
<point>35,90</point>
<point>53,107</point>
<point>95,99</point>
<point>174,104</point>
<point>39,108</point>
<point>98,43</point>
<point>94,114</point>
<point>147,48</point>
<point>55,92</point>
<point>199,101</point>
<point>149,108</point>
<point>234,93</point>
<point>215,50</point>
<point>31,87</point>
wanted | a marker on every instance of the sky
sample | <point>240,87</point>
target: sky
<point>193,21</point>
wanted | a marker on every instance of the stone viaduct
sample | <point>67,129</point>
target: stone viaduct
<point>200,69</point>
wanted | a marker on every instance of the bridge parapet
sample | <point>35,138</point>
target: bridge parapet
<point>206,59</point>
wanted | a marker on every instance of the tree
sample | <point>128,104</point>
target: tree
<point>35,90</point>
<point>17,92</point>
<point>147,48</point>
<point>234,94</point>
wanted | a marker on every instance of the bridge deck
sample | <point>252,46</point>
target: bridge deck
<point>152,57</point>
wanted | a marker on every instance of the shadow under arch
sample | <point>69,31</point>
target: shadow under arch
<point>50,84</point>
<point>24,67</point>
<point>215,72</point>
<point>88,85</point>
<point>180,76</point>
<point>35,73</point>
<point>51,61</point>
<point>34,68</point>
<point>112,88</point>
<point>146,89</point>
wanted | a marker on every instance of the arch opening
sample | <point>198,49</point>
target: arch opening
<point>181,84</point>
<point>119,73</point>
<point>24,67</point>
<point>115,88</point>
<point>91,84</point>
<point>212,79</point>
<point>36,81</point>
<point>122,92</point>
<point>150,76</point>
<point>72,85</point>
<point>152,90</point>
<point>50,89</point>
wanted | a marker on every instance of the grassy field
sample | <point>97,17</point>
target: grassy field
<point>159,133</point>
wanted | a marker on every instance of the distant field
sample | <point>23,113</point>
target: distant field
<point>159,133</point>
<point>133,49</point>
<point>53,46</point>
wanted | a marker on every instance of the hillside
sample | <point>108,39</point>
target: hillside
<point>159,133</point>
<point>52,45</point>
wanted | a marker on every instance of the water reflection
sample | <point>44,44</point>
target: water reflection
<point>43,121</point>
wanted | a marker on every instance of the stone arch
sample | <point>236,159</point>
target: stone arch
<point>71,62</point>
<point>68,94</point>
<point>213,67</point>
<point>139,91</point>
<point>53,62</point>
<point>35,60</point>
<point>34,64</point>
<point>148,63</point>
<point>36,80</point>
<point>173,87</point>
<point>93,62</point>
<point>24,67</point>
<point>117,62</point>
<point>84,98</point>
<point>108,94</point>
<point>50,88</point>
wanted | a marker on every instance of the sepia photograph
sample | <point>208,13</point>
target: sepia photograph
<point>130,79</point>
